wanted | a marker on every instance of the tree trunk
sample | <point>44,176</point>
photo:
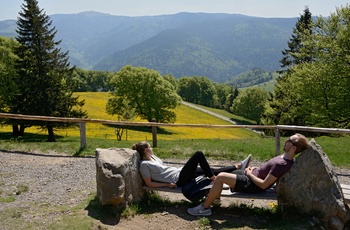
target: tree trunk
<point>51,137</point>
<point>21,130</point>
<point>15,131</point>
<point>119,133</point>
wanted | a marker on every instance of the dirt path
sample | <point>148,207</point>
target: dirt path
<point>208,112</point>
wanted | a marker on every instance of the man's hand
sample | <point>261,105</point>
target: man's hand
<point>248,171</point>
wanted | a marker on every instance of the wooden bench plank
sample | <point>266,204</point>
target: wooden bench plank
<point>226,192</point>
<point>346,191</point>
<point>269,194</point>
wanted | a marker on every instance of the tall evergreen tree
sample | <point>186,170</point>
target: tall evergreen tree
<point>283,107</point>
<point>303,25</point>
<point>44,73</point>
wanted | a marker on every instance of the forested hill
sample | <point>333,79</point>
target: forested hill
<point>218,49</point>
<point>218,46</point>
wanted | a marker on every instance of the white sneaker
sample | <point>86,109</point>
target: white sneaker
<point>199,211</point>
<point>245,162</point>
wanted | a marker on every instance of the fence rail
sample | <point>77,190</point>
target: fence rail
<point>82,125</point>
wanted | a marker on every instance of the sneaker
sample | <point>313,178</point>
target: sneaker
<point>199,211</point>
<point>245,162</point>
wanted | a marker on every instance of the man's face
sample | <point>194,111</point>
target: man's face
<point>289,143</point>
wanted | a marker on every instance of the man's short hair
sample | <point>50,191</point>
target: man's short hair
<point>301,143</point>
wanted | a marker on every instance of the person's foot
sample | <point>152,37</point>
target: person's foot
<point>199,211</point>
<point>245,162</point>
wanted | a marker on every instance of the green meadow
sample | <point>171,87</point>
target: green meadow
<point>173,142</point>
<point>95,104</point>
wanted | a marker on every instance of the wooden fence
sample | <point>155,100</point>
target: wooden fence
<point>82,125</point>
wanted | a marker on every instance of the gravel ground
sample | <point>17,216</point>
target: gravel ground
<point>50,178</point>
<point>55,179</point>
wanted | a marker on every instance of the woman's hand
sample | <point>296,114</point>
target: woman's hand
<point>172,185</point>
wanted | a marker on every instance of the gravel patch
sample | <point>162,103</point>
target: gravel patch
<point>55,179</point>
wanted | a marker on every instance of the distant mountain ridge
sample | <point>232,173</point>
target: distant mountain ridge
<point>218,46</point>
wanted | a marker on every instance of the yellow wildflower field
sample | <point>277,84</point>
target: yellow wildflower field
<point>95,105</point>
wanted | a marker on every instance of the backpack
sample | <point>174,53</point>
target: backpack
<point>197,188</point>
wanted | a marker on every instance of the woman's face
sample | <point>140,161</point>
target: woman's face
<point>148,151</point>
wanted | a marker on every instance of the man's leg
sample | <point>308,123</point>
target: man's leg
<point>204,209</point>
<point>215,191</point>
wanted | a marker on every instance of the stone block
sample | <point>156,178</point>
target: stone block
<point>117,175</point>
<point>311,186</point>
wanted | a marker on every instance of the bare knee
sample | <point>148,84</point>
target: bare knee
<point>227,178</point>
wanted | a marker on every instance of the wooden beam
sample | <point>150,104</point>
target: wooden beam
<point>277,141</point>
<point>82,126</point>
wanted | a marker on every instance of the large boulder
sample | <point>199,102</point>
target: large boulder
<point>117,175</point>
<point>311,187</point>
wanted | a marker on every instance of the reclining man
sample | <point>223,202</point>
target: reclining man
<point>254,179</point>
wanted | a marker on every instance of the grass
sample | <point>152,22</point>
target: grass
<point>336,148</point>
<point>10,196</point>
<point>7,198</point>
<point>21,189</point>
<point>130,211</point>
<point>204,221</point>
<point>47,216</point>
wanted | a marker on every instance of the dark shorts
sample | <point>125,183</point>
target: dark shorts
<point>244,184</point>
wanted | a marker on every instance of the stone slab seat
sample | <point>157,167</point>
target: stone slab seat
<point>269,194</point>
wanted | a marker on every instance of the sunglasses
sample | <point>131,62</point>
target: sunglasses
<point>291,141</point>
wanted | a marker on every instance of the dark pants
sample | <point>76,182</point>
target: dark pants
<point>244,184</point>
<point>191,169</point>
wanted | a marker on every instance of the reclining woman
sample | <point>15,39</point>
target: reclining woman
<point>156,174</point>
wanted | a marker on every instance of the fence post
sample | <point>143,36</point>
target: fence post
<point>82,126</point>
<point>277,141</point>
<point>154,135</point>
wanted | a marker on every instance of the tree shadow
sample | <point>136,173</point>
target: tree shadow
<point>230,217</point>
<point>27,137</point>
<point>146,129</point>
<point>15,152</point>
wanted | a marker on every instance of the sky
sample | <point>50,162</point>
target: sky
<point>268,8</point>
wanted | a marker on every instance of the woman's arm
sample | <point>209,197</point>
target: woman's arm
<point>153,184</point>
<point>264,184</point>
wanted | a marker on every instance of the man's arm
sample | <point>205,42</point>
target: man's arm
<point>153,184</point>
<point>264,184</point>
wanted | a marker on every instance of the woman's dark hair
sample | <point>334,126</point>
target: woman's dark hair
<point>140,147</point>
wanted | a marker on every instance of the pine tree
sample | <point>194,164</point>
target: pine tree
<point>304,24</point>
<point>44,72</point>
<point>283,102</point>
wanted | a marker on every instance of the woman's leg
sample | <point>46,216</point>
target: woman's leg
<point>216,171</point>
<point>242,165</point>
<point>188,172</point>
